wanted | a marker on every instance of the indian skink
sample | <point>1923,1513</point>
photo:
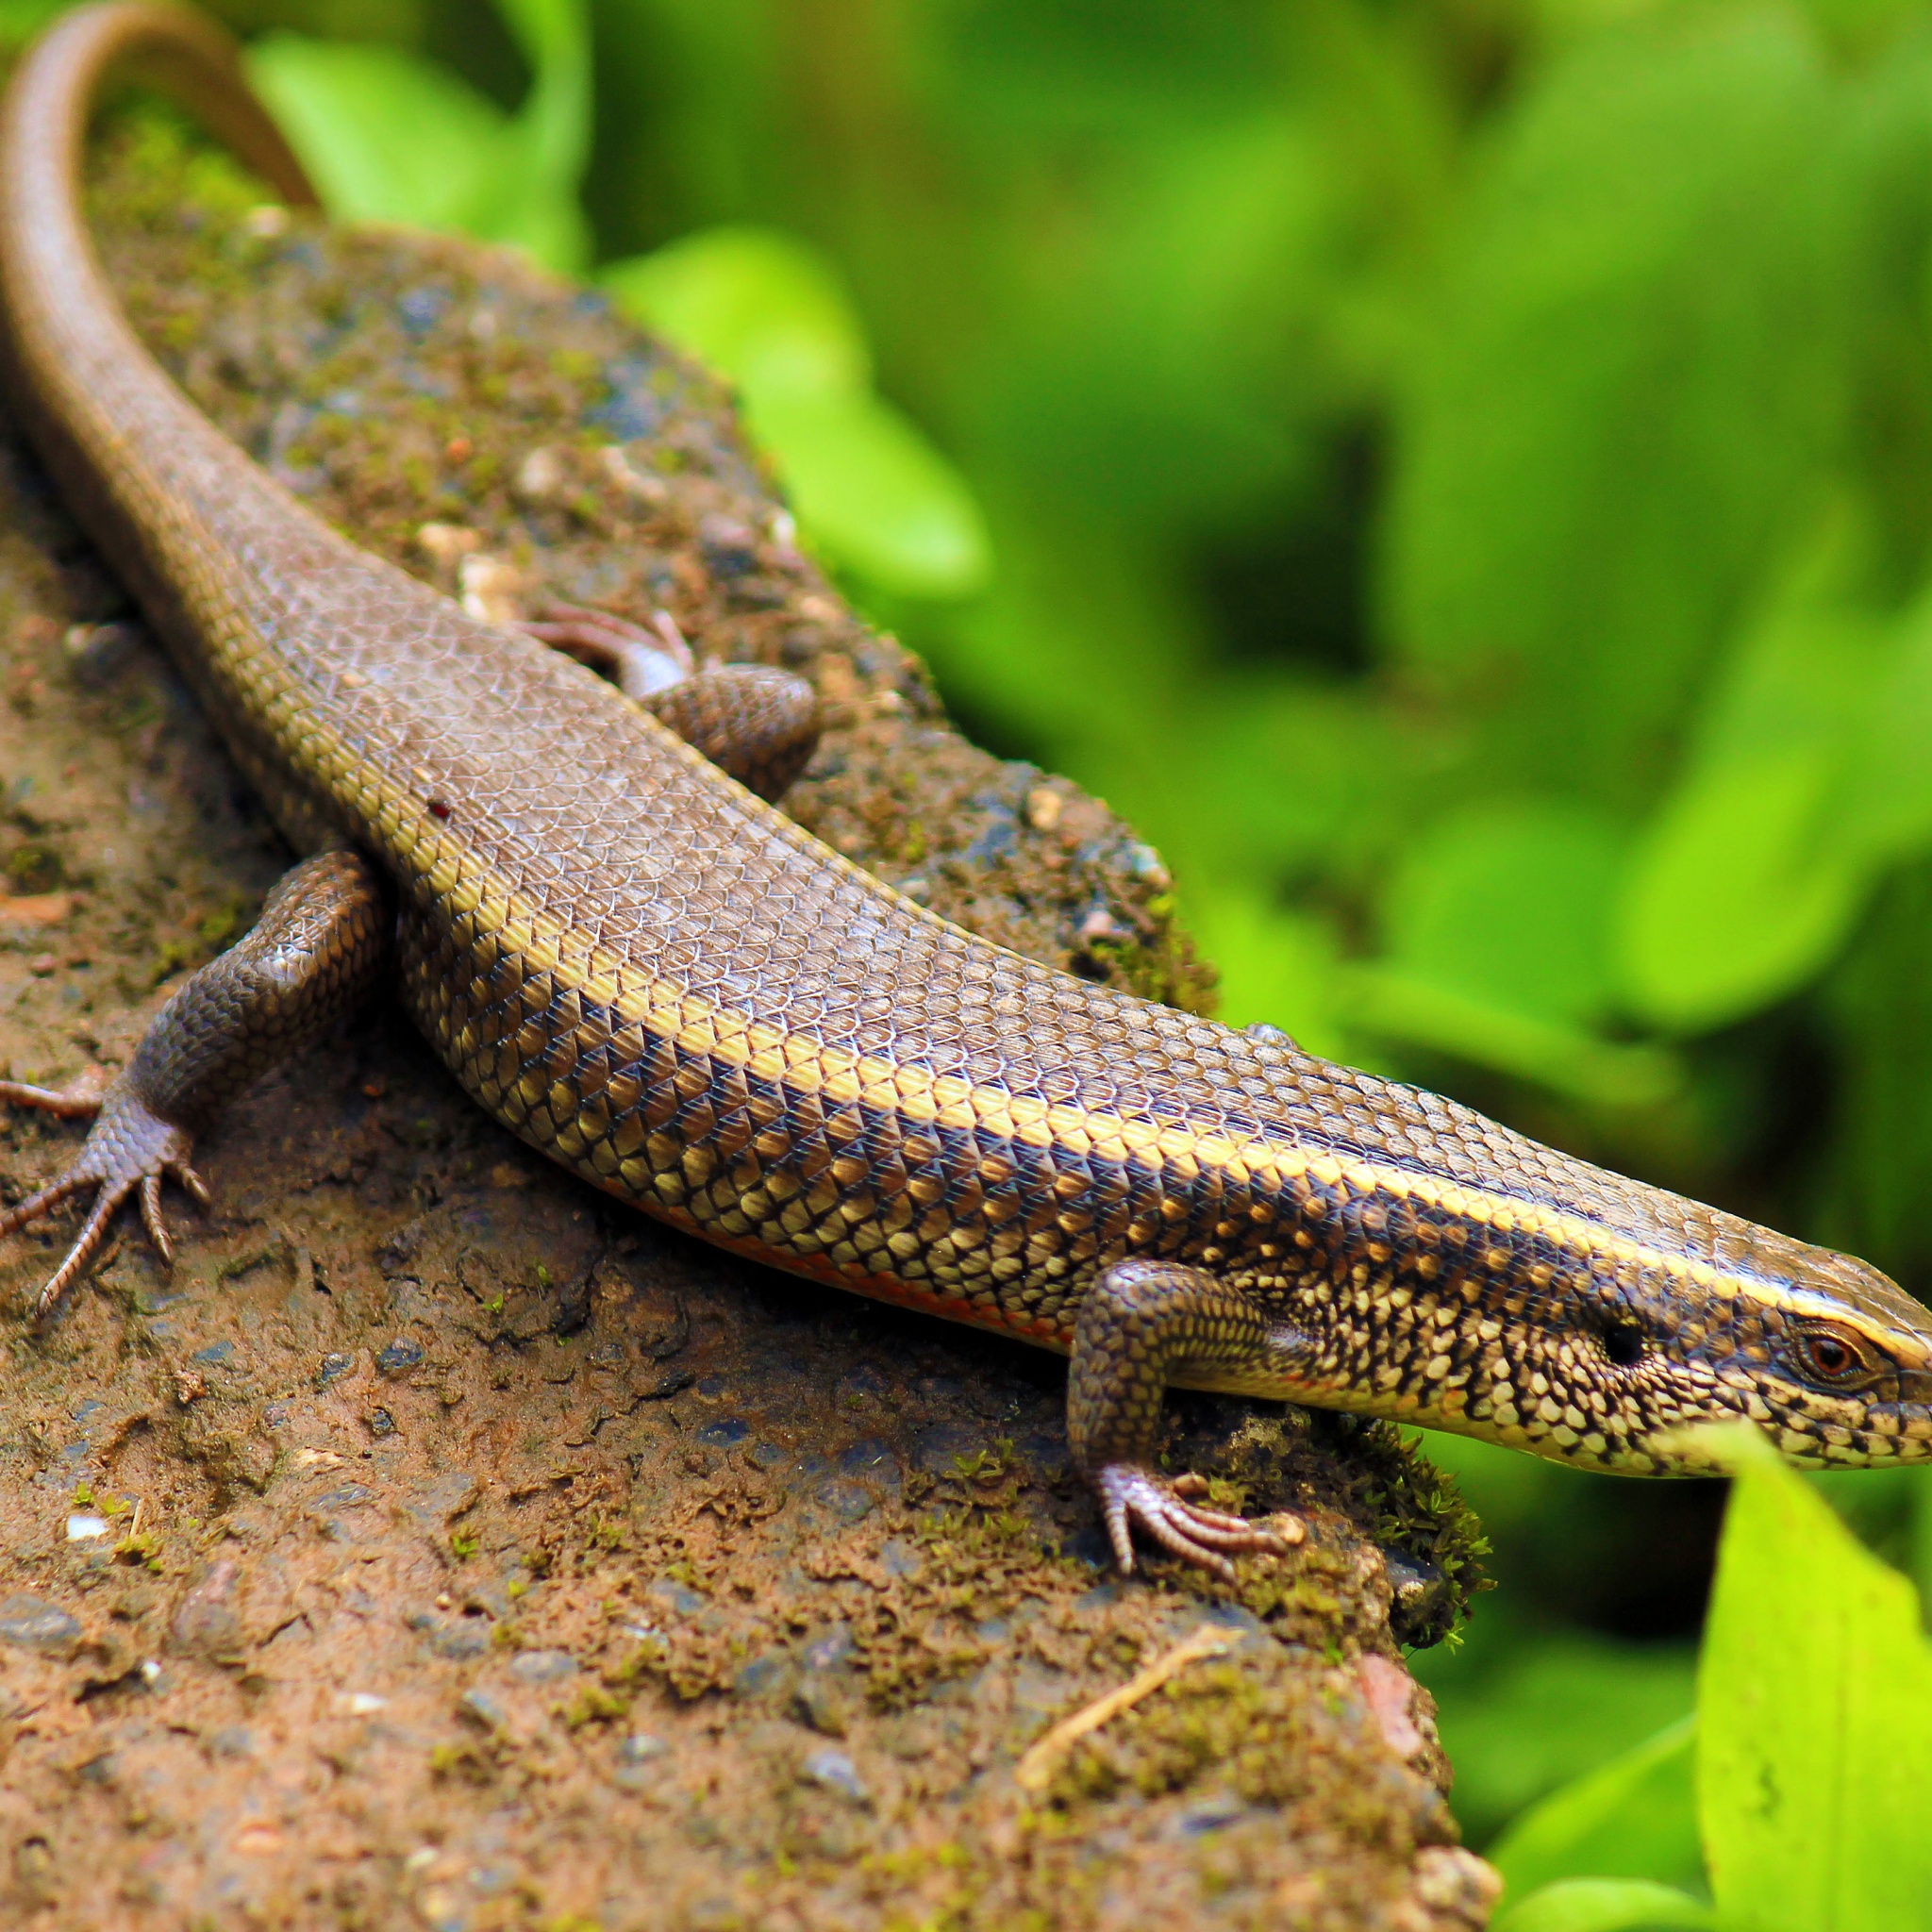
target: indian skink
<point>639,965</point>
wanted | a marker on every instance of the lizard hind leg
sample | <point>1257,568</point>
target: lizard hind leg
<point>760,724</point>
<point>1142,1322</point>
<point>316,951</point>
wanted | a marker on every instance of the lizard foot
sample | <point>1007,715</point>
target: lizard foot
<point>757,723</point>
<point>1133,1498</point>
<point>639,661</point>
<point>128,1153</point>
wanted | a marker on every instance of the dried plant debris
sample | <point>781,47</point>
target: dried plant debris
<point>439,1545</point>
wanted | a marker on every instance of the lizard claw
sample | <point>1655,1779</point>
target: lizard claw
<point>1132,1497</point>
<point>640,662</point>
<point>190,1181</point>
<point>125,1156</point>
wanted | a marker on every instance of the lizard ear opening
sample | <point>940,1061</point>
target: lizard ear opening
<point>1623,1343</point>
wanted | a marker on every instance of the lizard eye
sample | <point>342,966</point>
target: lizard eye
<point>1831,1357</point>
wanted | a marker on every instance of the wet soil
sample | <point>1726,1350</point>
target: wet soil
<point>438,1544</point>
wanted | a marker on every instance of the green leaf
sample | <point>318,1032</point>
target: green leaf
<point>871,489</point>
<point>1512,902</point>
<point>1736,898</point>
<point>768,311</point>
<point>1526,1710</point>
<point>763,308</point>
<point>1748,879</point>
<point>387,136</point>
<point>1639,365</point>
<point>1276,965</point>
<point>391,136</point>
<point>1814,1773</point>
<point>1888,791</point>
<point>1635,1817</point>
<point>21,20</point>
<point>1606,1904</point>
<point>1404,1005</point>
<point>536,205</point>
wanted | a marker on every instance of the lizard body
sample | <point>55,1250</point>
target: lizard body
<point>648,973</point>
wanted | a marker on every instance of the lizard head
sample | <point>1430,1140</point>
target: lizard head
<point>1828,1356</point>
<point>1428,1265</point>
<point>1547,1324</point>
<point>1632,1346</point>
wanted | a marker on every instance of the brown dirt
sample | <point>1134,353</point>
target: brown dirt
<point>471,1554</point>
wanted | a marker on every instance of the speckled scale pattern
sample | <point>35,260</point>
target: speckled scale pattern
<point>1143,1322</point>
<point>758,724</point>
<point>316,952</point>
<point>655,978</point>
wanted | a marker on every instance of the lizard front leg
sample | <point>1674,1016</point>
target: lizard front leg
<point>316,951</point>
<point>1142,1324</point>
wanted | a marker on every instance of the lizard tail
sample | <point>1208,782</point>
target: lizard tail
<point>183,53</point>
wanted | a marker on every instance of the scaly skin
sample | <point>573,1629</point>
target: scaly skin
<point>660,981</point>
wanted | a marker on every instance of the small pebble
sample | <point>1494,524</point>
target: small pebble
<point>34,1623</point>
<point>446,543</point>
<point>540,476</point>
<point>542,1666</point>
<point>832,1771</point>
<point>759,1675</point>
<point>827,1652</point>
<point>1043,808</point>
<point>399,1357</point>
<point>898,1557</point>
<point>1211,1814</point>
<point>484,1710</point>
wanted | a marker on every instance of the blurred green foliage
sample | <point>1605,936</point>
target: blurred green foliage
<point>1800,1800</point>
<point>389,136</point>
<point>769,312</point>
<point>1458,473</point>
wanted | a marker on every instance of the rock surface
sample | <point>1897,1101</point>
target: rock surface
<point>440,1546</point>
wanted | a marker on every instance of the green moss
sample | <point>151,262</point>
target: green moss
<point>593,1704</point>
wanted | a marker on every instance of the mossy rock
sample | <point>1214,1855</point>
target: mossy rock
<point>472,1553</point>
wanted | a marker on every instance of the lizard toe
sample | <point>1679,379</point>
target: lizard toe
<point>80,1102</point>
<point>127,1152</point>
<point>1136,1498</point>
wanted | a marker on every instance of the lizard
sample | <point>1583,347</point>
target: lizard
<point>633,961</point>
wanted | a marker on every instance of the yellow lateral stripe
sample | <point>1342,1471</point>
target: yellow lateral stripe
<point>636,997</point>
